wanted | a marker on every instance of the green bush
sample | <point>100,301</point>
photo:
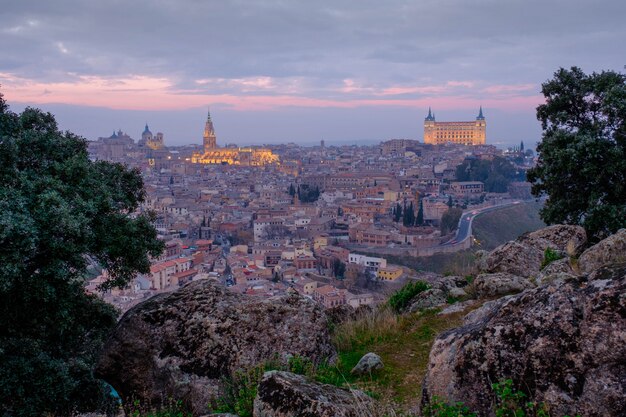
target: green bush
<point>438,408</point>
<point>241,388</point>
<point>240,391</point>
<point>510,402</point>
<point>301,365</point>
<point>549,256</point>
<point>401,298</point>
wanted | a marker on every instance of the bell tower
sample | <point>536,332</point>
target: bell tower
<point>208,139</point>
<point>429,128</point>
<point>480,134</point>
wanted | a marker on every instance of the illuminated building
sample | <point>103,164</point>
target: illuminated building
<point>464,133</point>
<point>154,142</point>
<point>213,154</point>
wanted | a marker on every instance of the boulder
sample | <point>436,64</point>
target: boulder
<point>428,299</point>
<point>608,251</point>
<point>369,363</point>
<point>179,345</point>
<point>457,307</point>
<point>283,394</point>
<point>560,266</point>
<point>523,256</point>
<point>563,344</point>
<point>568,239</point>
<point>450,282</point>
<point>457,292</point>
<point>500,283</point>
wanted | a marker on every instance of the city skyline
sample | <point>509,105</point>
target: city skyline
<point>277,71</point>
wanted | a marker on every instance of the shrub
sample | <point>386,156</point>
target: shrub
<point>239,391</point>
<point>549,256</point>
<point>438,408</point>
<point>510,402</point>
<point>401,298</point>
<point>301,365</point>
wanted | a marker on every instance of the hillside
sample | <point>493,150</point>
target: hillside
<point>497,227</point>
<point>491,229</point>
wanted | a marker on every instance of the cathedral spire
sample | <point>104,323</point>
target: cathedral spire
<point>209,139</point>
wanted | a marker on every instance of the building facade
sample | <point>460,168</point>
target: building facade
<point>464,133</point>
<point>213,154</point>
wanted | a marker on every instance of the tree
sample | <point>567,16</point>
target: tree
<point>409,215</point>
<point>57,210</point>
<point>397,214</point>
<point>292,190</point>
<point>496,174</point>
<point>450,220</point>
<point>582,155</point>
<point>339,268</point>
<point>419,220</point>
<point>449,201</point>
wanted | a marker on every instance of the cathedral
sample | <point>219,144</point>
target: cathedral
<point>464,133</point>
<point>154,142</point>
<point>213,154</point>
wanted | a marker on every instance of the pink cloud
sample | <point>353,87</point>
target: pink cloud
<point>154,93</point>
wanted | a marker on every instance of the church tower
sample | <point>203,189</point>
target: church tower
<point>429,128</point>
<point>480,135</point>
<point>208,139</point>
<point>146,136</point>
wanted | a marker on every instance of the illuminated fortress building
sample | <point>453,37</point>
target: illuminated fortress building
<point>213,154</point>
<point>465,133</point>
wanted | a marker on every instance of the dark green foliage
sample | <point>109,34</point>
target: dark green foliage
<point>397,213</point>
<point>307,194</point>
<point>241,388</point>
<point>339,268</point>
<point>401,298</point>
<point>450,220</point>
<point>496,174</point>
<point>292,190</point>
<point>408,218</point>
<point>439,408</point>
<point>582,155</point>
<point>300,365</point>
<point>57,207</point>
<point>549,256</point>
<point>419,220</point>
<point>511,403</point>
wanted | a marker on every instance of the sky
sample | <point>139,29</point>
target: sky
<point>273,71</point>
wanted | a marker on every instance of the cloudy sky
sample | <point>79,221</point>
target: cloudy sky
<point>357,71</point>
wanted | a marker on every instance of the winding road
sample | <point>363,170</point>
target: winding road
<point>464,229</point>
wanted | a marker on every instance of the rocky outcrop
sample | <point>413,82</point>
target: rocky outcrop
<point>609,251</point>
<point>283,394</point>
<point>500,283</point>
<point>555,268</point>
<point>427,299</point>
<point>179,345</point>
<point>369,363</point>
<point>523,256</point>
<point>563,344</point>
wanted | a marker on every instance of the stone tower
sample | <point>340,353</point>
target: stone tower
<point>429,127</point>
<point>480,136</point>
<point>208,139</point>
